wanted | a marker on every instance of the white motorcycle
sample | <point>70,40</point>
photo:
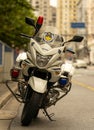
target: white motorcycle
<point>45,78</point>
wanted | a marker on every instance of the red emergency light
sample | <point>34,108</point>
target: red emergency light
<point>14,73</point>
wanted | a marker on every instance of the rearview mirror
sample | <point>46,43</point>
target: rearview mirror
<point>36,25</point>
<point>30,21</point>
<point>76,39</point>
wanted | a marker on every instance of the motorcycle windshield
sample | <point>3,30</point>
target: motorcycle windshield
<point>49,35</point>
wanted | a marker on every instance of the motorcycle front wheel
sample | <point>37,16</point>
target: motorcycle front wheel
<point>31,109</point>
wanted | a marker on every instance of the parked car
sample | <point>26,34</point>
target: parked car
<point>80,64</point>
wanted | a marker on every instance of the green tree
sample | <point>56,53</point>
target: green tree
<point>12,21</point>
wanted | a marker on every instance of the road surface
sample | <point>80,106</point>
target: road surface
<point>73,112</point>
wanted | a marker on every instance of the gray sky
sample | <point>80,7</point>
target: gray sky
<point>53,2</point>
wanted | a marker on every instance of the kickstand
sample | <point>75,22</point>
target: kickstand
<point>49,116</point>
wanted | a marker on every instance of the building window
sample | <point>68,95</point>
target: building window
<point>45,6</point>
<point>45,14</point>
<point>45,2</point>
<point>1,53</point>
<point>37,7</point>
<point>45,10</point>
<point>54,14</point>
<point>37,2</point>
<point>8,49</point>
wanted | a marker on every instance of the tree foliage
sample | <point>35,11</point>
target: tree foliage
<point>12,21</point>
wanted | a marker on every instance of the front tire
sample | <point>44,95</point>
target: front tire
<point>31,109</point>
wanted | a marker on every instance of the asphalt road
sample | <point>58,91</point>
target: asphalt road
<point>73,112</point>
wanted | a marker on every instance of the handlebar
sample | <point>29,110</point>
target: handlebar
<point>24,35</point>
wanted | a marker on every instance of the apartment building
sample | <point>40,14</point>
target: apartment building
<point>82,16</point>
<point>43,8</point>
<point>90,28</point>
<point>66,15</point>
<point>53,16</point>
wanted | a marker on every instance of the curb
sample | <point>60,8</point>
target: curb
<point>91,67</point>
<point>4,98</point>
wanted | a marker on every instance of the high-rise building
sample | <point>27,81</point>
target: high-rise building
<point>66,15</point>
<point>82,16</point>
<point>43,8</point>
<point>90,28</point>
<point>53,16</point>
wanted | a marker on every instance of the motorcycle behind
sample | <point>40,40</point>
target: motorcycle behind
<point>42,77</point>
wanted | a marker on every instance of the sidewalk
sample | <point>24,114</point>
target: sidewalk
<point>91,67</point>
<point>5,94</point>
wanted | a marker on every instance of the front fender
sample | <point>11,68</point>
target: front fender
<point>37,84</point>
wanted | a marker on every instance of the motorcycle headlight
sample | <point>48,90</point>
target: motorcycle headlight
<point>42,60</point>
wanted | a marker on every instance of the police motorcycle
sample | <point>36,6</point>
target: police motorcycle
<point>42,77</point>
